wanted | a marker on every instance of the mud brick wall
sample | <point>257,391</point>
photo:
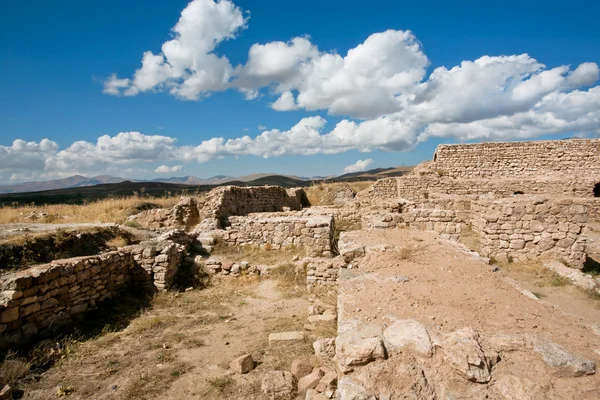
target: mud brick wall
<point>518,159</point>
<point>275,231</point>
<point>526,228</point>
<point>38,300</point>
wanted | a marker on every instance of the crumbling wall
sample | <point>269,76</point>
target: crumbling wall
<point>322,271</point>
<point>519,159</point>
<point>441,221</point>
<point>275,231</point>
<point>226,201</point>
<point>530,227</point>
<point>45,297</point>
<point>40,299</point>
<point>184,215</point>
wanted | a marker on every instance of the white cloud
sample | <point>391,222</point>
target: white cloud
<point>165,169</point>
<point>381,84</point>
<point>187,66</point>
<point>360,165</point>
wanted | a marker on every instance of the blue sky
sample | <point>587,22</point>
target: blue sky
<point>382,104</point>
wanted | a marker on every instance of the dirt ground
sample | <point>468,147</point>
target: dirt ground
<point>447,290</point>
<point>180,347</point>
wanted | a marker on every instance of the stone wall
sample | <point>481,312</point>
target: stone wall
<point>226,201</point>
<point>526,228</point>
<point>441,221</point>
<point>38,300</point>
<point>322,271</point>
<point>275,231</point>
<point>519,159</point>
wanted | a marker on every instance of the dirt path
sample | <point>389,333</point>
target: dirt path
<point>181,347</point>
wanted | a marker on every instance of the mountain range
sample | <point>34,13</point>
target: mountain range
<point>81,185</point>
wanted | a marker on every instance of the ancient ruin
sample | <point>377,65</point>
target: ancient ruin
<point>418,314</point>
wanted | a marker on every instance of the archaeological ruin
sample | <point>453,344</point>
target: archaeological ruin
<point>521,201</point>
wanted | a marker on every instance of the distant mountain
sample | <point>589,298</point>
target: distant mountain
<point>182,183</point>
<point>72,181</point>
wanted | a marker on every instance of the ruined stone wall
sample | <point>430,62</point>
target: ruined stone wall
<point>275,231</point>
<point>526,228</point>
<point>593,207</point>
<point>38,300</point>
<point>45,297</point>
<point>519,159</point>
<point>441,221</point>
<point>386,188</point>
<point>322,271</point>
<point>227,201</point>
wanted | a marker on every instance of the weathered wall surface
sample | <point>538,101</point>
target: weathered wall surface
<point>232,200</point>
<point>42,298</point>
<point>322,271</point>
<point>521,229</point>
<point>315,233</point>
<point>440,221</point>
<point>519,159</point>
<point>564,167</point>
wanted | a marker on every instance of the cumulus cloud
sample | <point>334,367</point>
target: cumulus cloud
<point>381,84</point>
<point>165,169</point>
<point>360,165</point>
<point>187,66</point>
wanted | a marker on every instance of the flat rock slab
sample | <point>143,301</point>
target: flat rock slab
<point>285,338</point>
<point>278,385</point>
<point>408,333</point>
<point>563,363</point>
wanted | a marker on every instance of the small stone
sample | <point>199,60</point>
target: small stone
<point>315,310</point>
<point>285,338</point>
<point>6,393</point>
<point>300,369</point>
<point>399,279</point>
<point>310,381</point>
<point>324,347</point>
<point>354,351</point>
<point>242,364</point>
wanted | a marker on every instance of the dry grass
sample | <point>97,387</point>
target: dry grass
<point>256,255</point>
<point>409,252</point>
<point>291,281</point>
<point>322,194</point>
<point>470,239</point>
<point>114,210</point>
<point>535,271</point>
<point>141,354</point>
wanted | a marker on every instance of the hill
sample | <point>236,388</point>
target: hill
<point>83,189</point>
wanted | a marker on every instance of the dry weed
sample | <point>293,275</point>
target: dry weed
<point>322,194</point>
<point>114,210</point>
<point>291,281</point>
<point>256,255</point>
<point>470,239</point>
